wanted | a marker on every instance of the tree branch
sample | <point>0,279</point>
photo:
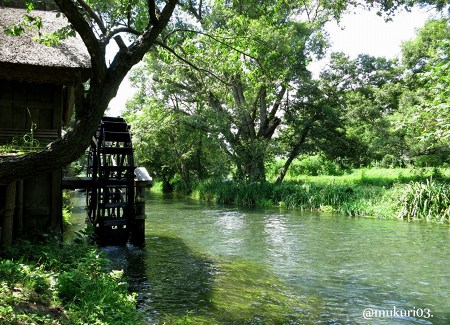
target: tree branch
<point>189,63</point>
<point>262,109</point>
<point>94,47</point>
<point>295,150</point>
<point>116,31</point>
<point>277,103</point>
<point>151,12</point>
<point>94,16</point>
<point>145,41</point>
<point>197,13</point>
<point>215,38</point>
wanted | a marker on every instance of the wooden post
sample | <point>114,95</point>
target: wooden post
<point>7,226</point>
<point>142,182</point>
<point>56,218</point>
<point>18,223</point>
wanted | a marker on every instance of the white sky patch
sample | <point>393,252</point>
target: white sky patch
<point>125,92</point>
<point>364,32</point>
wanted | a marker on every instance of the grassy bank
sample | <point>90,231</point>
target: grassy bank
<point>62,283</point>
<point>410,194</point>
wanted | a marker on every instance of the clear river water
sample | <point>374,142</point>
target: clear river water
<point>227,265</point>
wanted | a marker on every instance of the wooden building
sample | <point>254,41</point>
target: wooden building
<point>36,102</point>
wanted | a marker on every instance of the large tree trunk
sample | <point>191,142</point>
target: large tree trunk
<point>250,161</point>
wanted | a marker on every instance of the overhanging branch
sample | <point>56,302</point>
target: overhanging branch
<point>94,47</point>
<point>189,63</point>
<point>216,39</point>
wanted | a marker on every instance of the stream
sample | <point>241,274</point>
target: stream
<point>227,265</point>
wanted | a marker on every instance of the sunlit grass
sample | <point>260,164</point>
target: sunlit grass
<point>361,193</point>
<point>54,283</point>
<point>378,176</point>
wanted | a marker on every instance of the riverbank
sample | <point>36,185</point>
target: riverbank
<point>409,194</point>
<point>62,283</point>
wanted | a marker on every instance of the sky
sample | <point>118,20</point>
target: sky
<point>358,33</point>
<point>366,33</point>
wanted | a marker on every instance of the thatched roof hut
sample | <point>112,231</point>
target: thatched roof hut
<point>22,58</point>
<point>36,99</point>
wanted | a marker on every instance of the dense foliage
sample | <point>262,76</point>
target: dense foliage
<point>54,283</point>
<point>229,94</point>
<point>234,72</point>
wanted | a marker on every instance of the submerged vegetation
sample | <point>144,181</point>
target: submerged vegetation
<point>238,282</point>
<point>62,283</point>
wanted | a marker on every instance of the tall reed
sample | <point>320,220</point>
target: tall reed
<point>425,201</point>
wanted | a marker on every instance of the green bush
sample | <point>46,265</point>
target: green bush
<point>305,166</point>
<point>67,283</point>
<point>432,160</point>
<point>389,161</point>
<point>97,298</point>
<point>316,165</point>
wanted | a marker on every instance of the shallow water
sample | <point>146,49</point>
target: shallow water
<point>224,265</point>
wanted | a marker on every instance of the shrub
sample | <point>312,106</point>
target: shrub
<point>97,298</point>
<point>389,161</point>
<point>63,280</point>
<point>316,165</point>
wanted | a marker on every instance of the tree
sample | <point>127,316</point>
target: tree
<point>98,23</point>
<point>424,105</point>
<point>234,71</point>
<point>393,6</point>
<point>368,90</point>
<point>314,124</point>
<point>176,152</point>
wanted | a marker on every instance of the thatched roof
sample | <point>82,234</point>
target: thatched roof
<point>23,58</point>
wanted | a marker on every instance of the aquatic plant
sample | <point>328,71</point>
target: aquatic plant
<point>425,201</point>
<point>384,193</point>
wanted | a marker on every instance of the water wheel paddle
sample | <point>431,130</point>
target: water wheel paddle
<point>110,204</point>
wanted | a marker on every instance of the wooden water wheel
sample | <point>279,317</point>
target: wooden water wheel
<point>110,204</point>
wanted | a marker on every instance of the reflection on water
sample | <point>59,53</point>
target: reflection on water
<point>227,265</point>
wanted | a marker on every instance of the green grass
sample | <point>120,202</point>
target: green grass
<point>62,283</point>
<point>378,176</point>
<point>410,194</point>
<point>428,201</point>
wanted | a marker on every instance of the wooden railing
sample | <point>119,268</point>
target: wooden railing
<point>9,136</point>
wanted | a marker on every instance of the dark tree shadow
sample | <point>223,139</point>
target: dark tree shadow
<point>169,277</point>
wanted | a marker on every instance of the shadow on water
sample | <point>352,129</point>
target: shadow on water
<point>169,277</point>
<point>173,281</point>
